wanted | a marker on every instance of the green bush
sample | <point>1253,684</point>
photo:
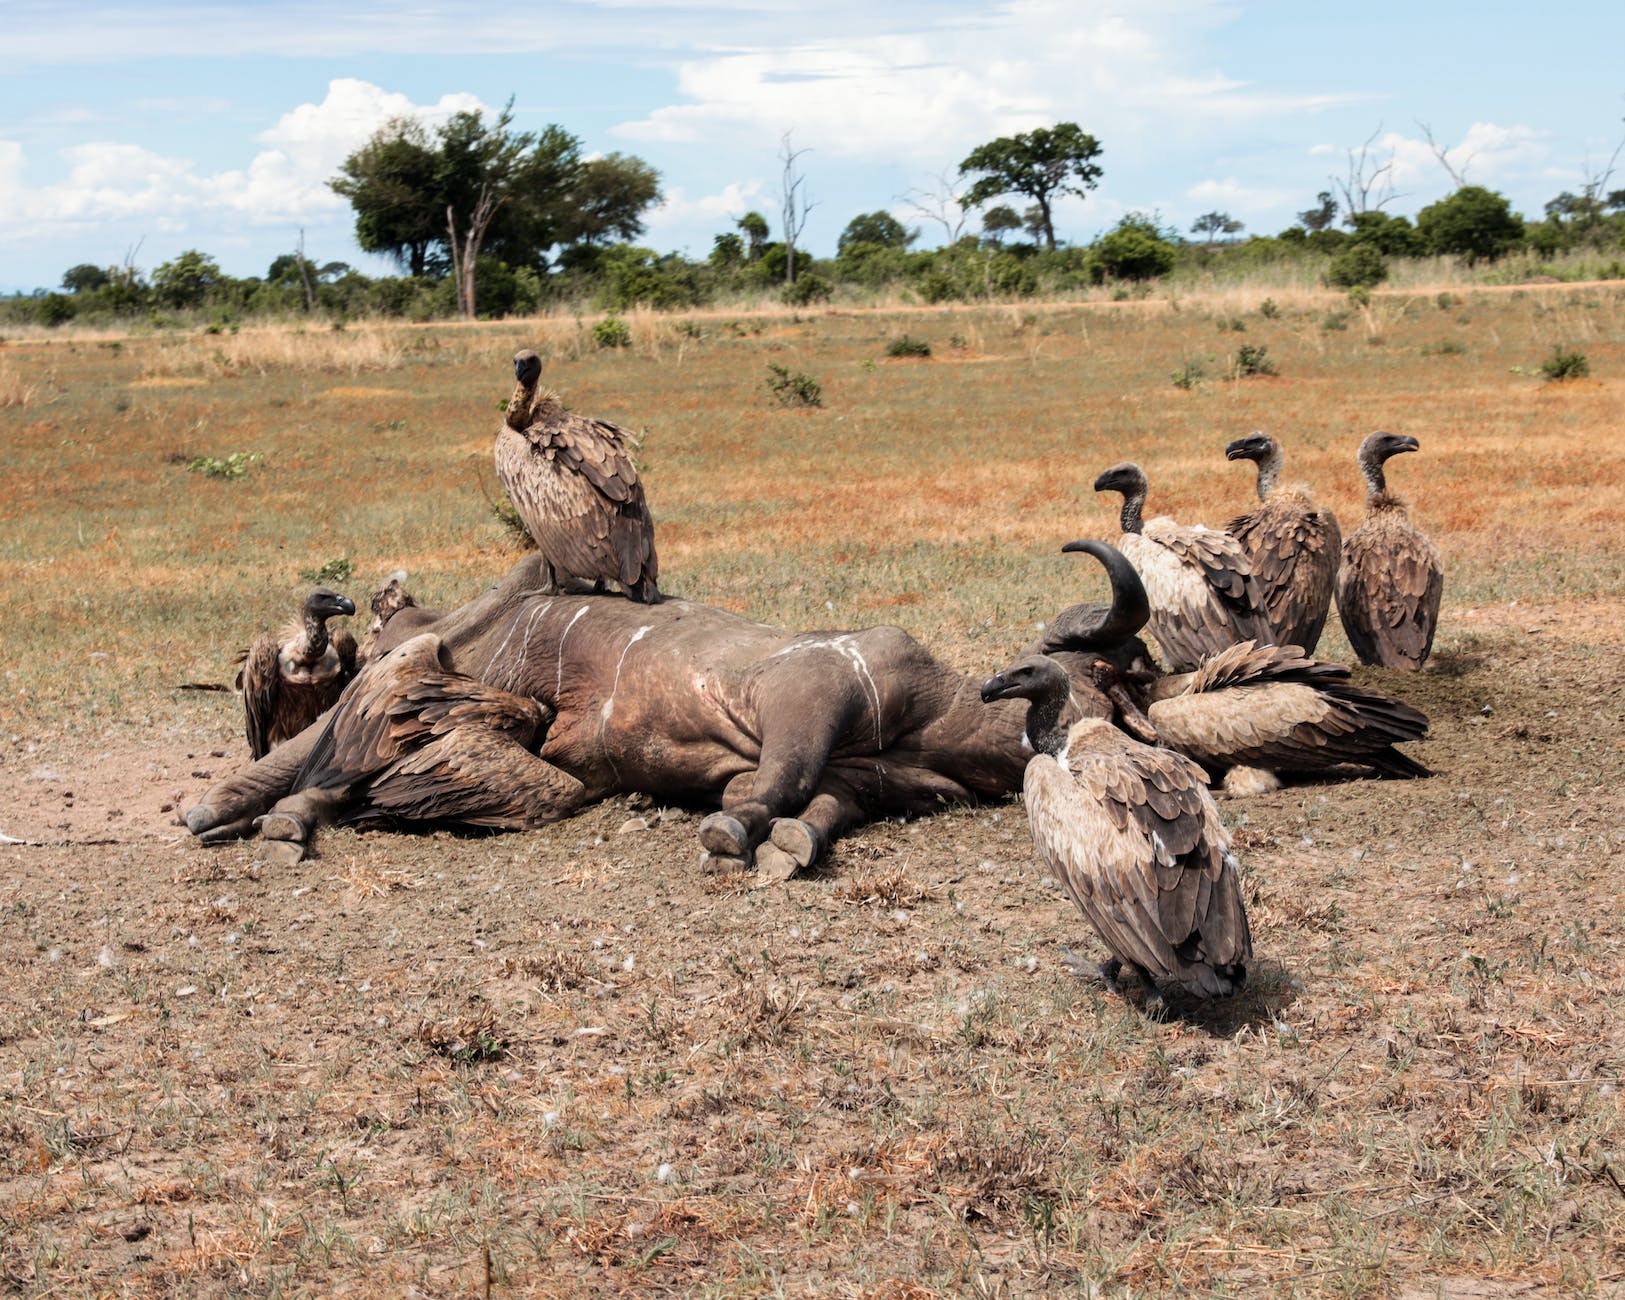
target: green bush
<point>1253,359</point>
<point>1563,365</point>
<point>1134,250</point>
<point>1268,309</point>
<point>1359,266</point>
<point>330,573</point>
<point>1189,375</point>
<point>908,347</point>
<point>807,289</point>
<point>611,332</point>
<point>794,389</point>
<point>233,466</point>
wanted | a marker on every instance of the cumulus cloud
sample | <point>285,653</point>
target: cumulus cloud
<point>1232,196</point>
<point>677,209</point>
<point>285,182</point>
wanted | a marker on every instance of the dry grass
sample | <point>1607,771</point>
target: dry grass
<point>568,1063</point>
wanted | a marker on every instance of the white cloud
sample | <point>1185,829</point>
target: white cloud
<point>282,184</point>
<point>676,208</point>
<point>1487,155</point>
<point>1231,195</point>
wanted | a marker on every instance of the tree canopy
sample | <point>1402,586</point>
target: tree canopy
<point>1473,223</point>
<point>1042,164</point>
<point>878,228</point>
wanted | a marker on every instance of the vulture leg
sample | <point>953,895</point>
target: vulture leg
<point>1155,1003</point>
<point>1110,969</point>
<point>228,810</point>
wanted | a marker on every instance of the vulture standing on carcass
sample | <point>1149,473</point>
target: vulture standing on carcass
<point>415,742</point>
<point>1133,834</point>
<point>572,480</point>
<point>1389,586</point>
<point>288,679</point>
<point>1293,544</point>
<point>1198,580</point>
<point>388,601</point>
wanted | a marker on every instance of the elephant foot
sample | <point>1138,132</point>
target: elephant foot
<point>799,839</point>
<point>285,853</point>
<point>724,836</point>
<point>283,826</point>
<point>722,864</point>
<point>773,865</point>
<point>203,822</point>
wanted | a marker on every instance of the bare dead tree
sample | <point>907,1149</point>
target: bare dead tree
<point>1369,184</point>
<point>464,259</point>
<point>942,203</point>
<point>795,205</point>
<point>1457,174</point>
<point>304,272</point>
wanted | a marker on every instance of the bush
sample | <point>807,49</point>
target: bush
<point>1134,250</point>
<point>806,290</point>
<point>1253,360</point>
<point>331,573</point>
<point>1359,266</point>
<point>233,466</point>
<point>1188,375</point>
<point>794,389</point>
<point>611,332</point>
<point>1268,309</point>
<point>1563,365</point>
<point>53,309</point>
<point>908,347</point>
<point>1227,324</point>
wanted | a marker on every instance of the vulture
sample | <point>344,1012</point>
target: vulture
<point>290,678</point>
<point>1134,836</point>
<point>1389,586</point>
<point>413,742</point>
<point>572,480</point>
<point>1293,544</point>
<point>1199,581</point>
<point>388,601</point>
<point>1274,708</point>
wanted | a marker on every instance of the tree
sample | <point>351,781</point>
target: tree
<point>997,222</point>
<point>1213,224</point>
<point>1320,216</point>
<point>1390,236</point>
<point>794,205</point>
<point>944,203</point>
<point>188,280</point>
<point>878,228</point>
<point>753,225</point>
<point>1473,223</point>
<point>1135,249</point>
<point>393,184</point>
<point>609,198</point>
<point>727,251</point>
<point>1359,266</point>
<point>1042,164</point>
<point>1369,183</point>
<point>84,278</point>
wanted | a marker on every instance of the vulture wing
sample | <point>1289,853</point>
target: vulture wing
<point>1135,837</point>
<point>1388,592</point>
<point>1201,589</point>
<point>1294,547</point>
<point>259,678</point>
<point>1272,707</point>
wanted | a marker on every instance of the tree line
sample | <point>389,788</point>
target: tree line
<point>484,220</point>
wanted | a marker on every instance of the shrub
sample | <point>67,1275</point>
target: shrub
<point>806,290</point>
<point>53,309</point>
<point>794,389</point>
<point>1135,249</point>
<point>1563,365</point>
<point>1268,309</point>
<point>1335,320</point>
<point>908,347</point>
<point>1188,375</point>
<point>1359,266</point>
<point>1228,324</point>
<point>1253,360</point>
<point>611,332</point>
<point>233,466</point>
<point>331,573</point>
<point>1445,348</point>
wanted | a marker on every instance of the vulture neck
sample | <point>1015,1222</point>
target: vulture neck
<point>1376,481</point>
<point>1269,473</point>
<point>313,644</point>
<point>1045,731</point>
<point>518,416</point>
<point>1133,510</point>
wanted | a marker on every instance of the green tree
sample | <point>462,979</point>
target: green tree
<point>84,278</point>
<point>1135,249</point>
<point>753,225</point>
<point>1359,266</point>
<point>727,251</point>
<point>1042,164</point>
<point>878,228</point>
<point>1474,223</point>
<point>997,222</point>
<point>1321,216</point>
<point>393,184</point>
<point>1214,224</point>
<point>1390,236</point>
<point>188,280</point>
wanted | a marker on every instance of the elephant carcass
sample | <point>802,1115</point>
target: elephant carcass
<point>794,736</point>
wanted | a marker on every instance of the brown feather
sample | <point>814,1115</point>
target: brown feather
<point>1389,588</point>
<point>1294,547</point>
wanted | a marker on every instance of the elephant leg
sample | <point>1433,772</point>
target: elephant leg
<point>228,810</point>
<point>795,843</point>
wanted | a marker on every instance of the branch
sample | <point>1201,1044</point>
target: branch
<point>1443,157</point>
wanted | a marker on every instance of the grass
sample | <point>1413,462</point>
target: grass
<point>571,1062</point>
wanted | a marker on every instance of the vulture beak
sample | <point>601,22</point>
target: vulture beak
<point>993,689</point>
<point>345,604</point>
<point>1239,449</point>
<point>1104,483</point>
<point>1403,442</point>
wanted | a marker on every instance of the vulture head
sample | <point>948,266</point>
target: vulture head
<point>1127,478</point>
<point>324,604</point>
<point>527,367</point>
<point>1380,446</point>
<point>1255,446</point>
<point>1037,677</point>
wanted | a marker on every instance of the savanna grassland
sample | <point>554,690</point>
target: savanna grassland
<point>572,1062</point>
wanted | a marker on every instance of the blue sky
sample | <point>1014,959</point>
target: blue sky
<point>179,125</point>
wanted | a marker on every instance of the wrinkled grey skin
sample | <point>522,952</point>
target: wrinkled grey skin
<point>795,736</point>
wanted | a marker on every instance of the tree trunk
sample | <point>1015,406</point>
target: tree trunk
<point>1049,224</point>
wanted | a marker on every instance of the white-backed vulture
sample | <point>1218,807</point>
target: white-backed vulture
<point>1198,580</point>
<point>1134,836</point>
<point>1293,544</point>
<point>1272,707</point>
<point>1389,586</point>
<point>290,678</point>
<point>572,480</point>
<point>388,601</point>
<point>413,742</point>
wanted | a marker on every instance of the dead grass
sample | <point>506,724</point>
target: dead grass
<point>571,1063</point>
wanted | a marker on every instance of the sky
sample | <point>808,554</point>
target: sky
<point>138,132</point>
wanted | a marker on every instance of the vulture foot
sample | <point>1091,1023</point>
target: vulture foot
<point>724,836</point>
<point>797,838</point>
<point>1156,1006</point>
